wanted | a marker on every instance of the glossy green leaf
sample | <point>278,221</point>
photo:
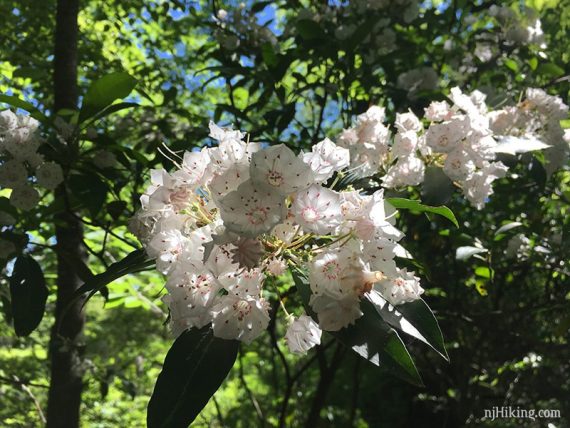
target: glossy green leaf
<point>104,91</point>
<point>194,368</point>
<point>415,319</point>
<point>370,337</point>
<point>28,293</point>
<point>408,204</point>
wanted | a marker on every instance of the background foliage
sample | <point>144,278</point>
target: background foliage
<point>291,79</point>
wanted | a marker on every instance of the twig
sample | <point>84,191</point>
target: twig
<point>248,391</point>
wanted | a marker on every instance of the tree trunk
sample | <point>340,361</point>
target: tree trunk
<point>66,382</point>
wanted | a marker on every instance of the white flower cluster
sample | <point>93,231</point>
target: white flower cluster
<point>526,29</point>
<point>462,133</point>
<point>537,118</point>
<point>19,157</point>
<point>234,214</point>
<point>463,138</point>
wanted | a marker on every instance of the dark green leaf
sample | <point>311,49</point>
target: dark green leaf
<point>415,319</point>
<point>90,191</point>
<point>437,188</point>
<point>193,370</point>
<point>15,101</point>
<point>28,294</point>
<point>370,337</point>
<point>408,204</point>
<point>104,91</point>
<point>309,29</point>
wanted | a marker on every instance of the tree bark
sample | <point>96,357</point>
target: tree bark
<point>66,383</point>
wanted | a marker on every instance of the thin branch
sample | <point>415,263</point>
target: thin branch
<point>248,391</point>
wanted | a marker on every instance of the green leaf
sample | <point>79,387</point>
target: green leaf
<point>193,370</point>
<point>508,226</point>
<point>409,204</point>
<point>110,110</point>
<point>133,262</point>
<point>512,65</point>
<point>437,188</point>
<point>268,54</point>
<point>104,91</point>
<point>17,102</point>
<point>370,337</point>
<point>310,30</point>
<point>550,70</point>
<point>90,191</point>
<point>463,253</point>
<point>415,319</point>
<point>28,293</point>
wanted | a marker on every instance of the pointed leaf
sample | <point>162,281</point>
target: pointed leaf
<point>370,337</point>
<point>414,318</point>
<point>409,204</point>
<point>104,91</point>
<point>193,370</point>
<point>17,102</point>
<point>28,293</point>
<point>463,253</point>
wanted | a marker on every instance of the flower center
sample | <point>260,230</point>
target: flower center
<point>331,270</point>
<point>257,216</point>
<point>242,308</point>
<point>275,178</point>
<point>310,214</point>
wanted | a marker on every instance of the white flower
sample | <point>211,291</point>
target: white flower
<point>195,165</point>
<point>444,137</point>
<point>8,121</point>
<point>224,134</point>
<point>407,171</point>
<point>13,173</point>
<point>458,165</point>
<point>302,334</point>
<point>222,14</point>
<point>24,197</point>
<point>478,188</point>
<point>317,210</point>
<point>191,297</point>
<point>278,168</point>
<point>407,122</point>
<point>339,273</point>
<point>438,111</point>
<point>252,210</point>
<point>402,288</point>
<point>276,266</point>
<point>369,216</point>
<point>167,247</point>
<point>334,314</point>
<point>49,175</point>
<point>245,284</point>
<point>325,159</point>
<point>240,318</point>
<point>405,144</point>
<point>367,142</point>
<point>287,230</point>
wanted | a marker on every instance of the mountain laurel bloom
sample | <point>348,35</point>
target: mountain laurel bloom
<point>232,217</point>
<point>303,334</point>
